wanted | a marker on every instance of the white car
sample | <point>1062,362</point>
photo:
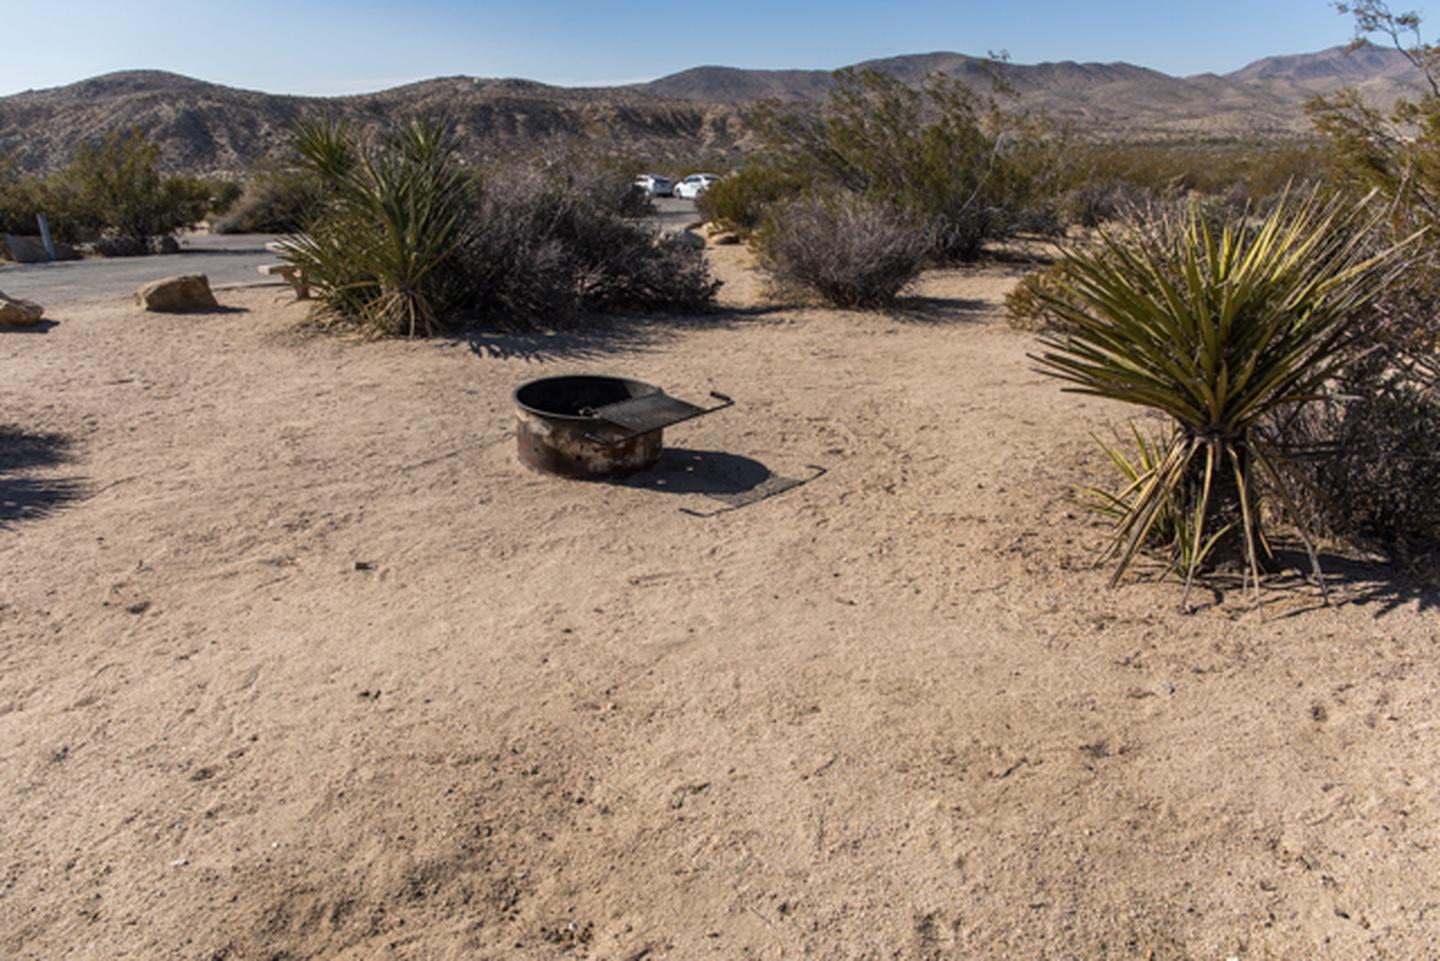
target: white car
<point>655,185</point>
<point>695,185</point>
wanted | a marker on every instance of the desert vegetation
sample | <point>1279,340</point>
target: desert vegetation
<point>403,237</point>
<point>112,194</point>
<point>1296,358</point>
<point>951,166</point>
<point>1219,330</point>
<point>855,251</point>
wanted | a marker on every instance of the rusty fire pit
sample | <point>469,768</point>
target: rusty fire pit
<point>591,426</point>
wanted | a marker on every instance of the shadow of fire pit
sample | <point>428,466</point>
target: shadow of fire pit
<point>729,479</point>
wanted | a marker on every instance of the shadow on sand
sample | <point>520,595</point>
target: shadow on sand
<point>42,327</point>
<point>940,310</point>
<point>24,497</point>
<point>1384,587</point>
<point>730,480</point>
<point>1290,589</point>
<point>594,337</point>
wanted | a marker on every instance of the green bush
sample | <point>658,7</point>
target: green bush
<point>115,187</point>
<point>1029,304</point>
<point>741,201</point>
<point>950,159</point>
<point>19,198</point>
<point>111,190</point>
<point>852,250</point>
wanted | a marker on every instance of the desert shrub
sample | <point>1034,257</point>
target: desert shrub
<point>1100,181</point>
<point>224,195</point>
<point>1370,451</point>
<point>604,183</point>
<point>1370,457</point>
<point>741,201</point>
<point>115,188</point>
<point>1397,152</point>
<point>111,191</point>
<point>852,250</point>
<point>382,250</point>
<point>405,238</point>
<point>1029,304</point>
<point>533,252</point>
<point>1219,330</point>
<point>19,198</point>
<point>950,159</point>
<point>276,200</point>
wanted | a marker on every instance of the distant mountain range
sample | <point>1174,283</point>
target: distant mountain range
<point>205,127</point>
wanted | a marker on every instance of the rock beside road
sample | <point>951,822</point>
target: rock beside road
<point>685,238</point>
<point>177,294</point>
<point>19,313</point>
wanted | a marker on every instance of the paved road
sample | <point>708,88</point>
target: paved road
<point>230,259</point>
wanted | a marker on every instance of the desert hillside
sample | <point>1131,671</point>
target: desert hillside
<point>206,127</point>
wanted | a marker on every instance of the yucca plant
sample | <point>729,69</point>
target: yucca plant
<point>1172,536</point>
<point>381,251</point>
<point>1216,326</point>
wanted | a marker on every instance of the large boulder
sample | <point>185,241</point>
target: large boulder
<point>175,294</point>
<point>19,313</point>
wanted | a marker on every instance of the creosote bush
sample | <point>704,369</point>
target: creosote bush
<point>113,190</point>
<point>852,250</point>
<point>956,164</point>
<point>741,201</point>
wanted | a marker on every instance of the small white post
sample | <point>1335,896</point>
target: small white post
<point>45,236</point>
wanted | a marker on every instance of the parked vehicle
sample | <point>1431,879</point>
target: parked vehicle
<point>655,185</point>
<point>695,185</point>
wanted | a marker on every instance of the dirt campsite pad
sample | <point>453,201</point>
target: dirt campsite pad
<point>296,661</point>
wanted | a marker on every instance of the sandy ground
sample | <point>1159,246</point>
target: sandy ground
<point>297,662</point>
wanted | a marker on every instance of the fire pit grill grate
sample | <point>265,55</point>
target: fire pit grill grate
<point>641,415</point>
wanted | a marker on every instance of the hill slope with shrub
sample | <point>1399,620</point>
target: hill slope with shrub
<point>208,128</point>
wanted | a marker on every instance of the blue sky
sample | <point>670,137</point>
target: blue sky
<point>331,47</point>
